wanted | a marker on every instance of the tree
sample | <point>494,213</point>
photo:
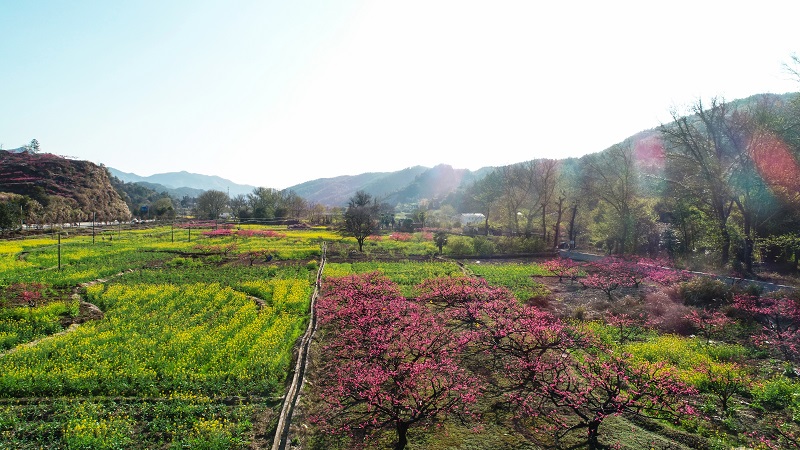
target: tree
<point>264,202</point>
<point>10,215</point>
<point>709,146</point>
<point>163,208</point>
<point>562,379</point>
<point>440,239</point>
<point>612,177</point>
<point>388,362</point>
<point>779,316</point>
<point>484,195</point>
<point>33,147</point>
<point>210,204</point>
<point>361,217</point>
<point>561,267</point>
<point>593,387</point>
<point>241,207</point>
<point>292,204</point>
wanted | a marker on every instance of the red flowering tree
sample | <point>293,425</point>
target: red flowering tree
<point>388,362</point>
<point>709,324</point>
<point>593,387</point>
<point>627,327</point>
<point>779,316</point>
<point>461,300</point>
<point>561,387</point>
<point>561,267</point>
<point>607,276</point>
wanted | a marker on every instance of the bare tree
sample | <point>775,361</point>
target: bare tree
<point>709,148</point>
<point>612,177</point>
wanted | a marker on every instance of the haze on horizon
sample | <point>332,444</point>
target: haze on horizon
<point>273,93</point>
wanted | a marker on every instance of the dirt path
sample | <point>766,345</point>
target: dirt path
<point>283,429</point>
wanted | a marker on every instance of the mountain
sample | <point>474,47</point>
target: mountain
<point>336,191</point>
<point>177,193</point>
<point>82,186</point>
<point>183,179</point>
<point>405,186</point>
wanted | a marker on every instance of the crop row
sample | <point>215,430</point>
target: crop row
<point>165,338</point>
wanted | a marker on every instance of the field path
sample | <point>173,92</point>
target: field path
<point>293,392</point>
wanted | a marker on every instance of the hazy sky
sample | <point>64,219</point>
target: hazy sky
<point>274,93</point>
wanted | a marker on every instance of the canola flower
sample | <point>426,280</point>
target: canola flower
<point>199,337</point>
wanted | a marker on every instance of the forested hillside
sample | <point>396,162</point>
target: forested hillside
<point>45,188</point>
<point>722,181</point>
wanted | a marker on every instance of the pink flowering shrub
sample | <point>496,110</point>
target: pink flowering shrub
<point>779,316</point>
<point>561,267</point>
<point>709,324</point>
<point>261,233</point>
<point>218,233</point>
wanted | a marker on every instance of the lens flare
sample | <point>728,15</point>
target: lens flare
<point>777,166</point>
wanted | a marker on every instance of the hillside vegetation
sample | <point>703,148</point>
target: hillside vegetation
<point>52,189</point>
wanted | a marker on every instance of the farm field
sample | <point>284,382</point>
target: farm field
<point>192,350</point>
<point>172,343</point>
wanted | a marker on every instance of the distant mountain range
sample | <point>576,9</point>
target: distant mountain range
<point>404,186</point>
<point>178,184</point>
<point>408,185</point>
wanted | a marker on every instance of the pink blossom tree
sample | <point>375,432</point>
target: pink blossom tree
<point>779,316</point>
<point>388,362</point>
<point>561,267</point>
<point>627,327</point>
<point>709,324</point>
<point>596,387</point>
<point>461,300</point>
<point>563,379</point>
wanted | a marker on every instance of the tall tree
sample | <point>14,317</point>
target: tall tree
<point>264,202</point>
<point>709,146</point>
<point>210,204</point>
<point>612,177</point>
<point>484,196</point>
<point>240,206</point>
<point>361,217</point>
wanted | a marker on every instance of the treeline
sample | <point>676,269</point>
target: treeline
<point>722,182</point>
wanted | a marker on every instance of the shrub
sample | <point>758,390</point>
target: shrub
<point>483,246</point>
<point>460,246</point>
<point>777,393</point>
<point>667,316</point>
<point>704,292</point>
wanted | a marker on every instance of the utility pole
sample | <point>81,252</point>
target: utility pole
<point>59,251</point>
<point>93,217</point>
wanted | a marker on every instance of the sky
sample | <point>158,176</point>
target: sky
<point>276,93</point>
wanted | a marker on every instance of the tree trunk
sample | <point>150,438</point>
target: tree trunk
<point>402,436</point>
<point>593,440</point>
<point>544,223</point>
<point>557,228</point>
<point>572,225</point>
<point>726,244</point>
